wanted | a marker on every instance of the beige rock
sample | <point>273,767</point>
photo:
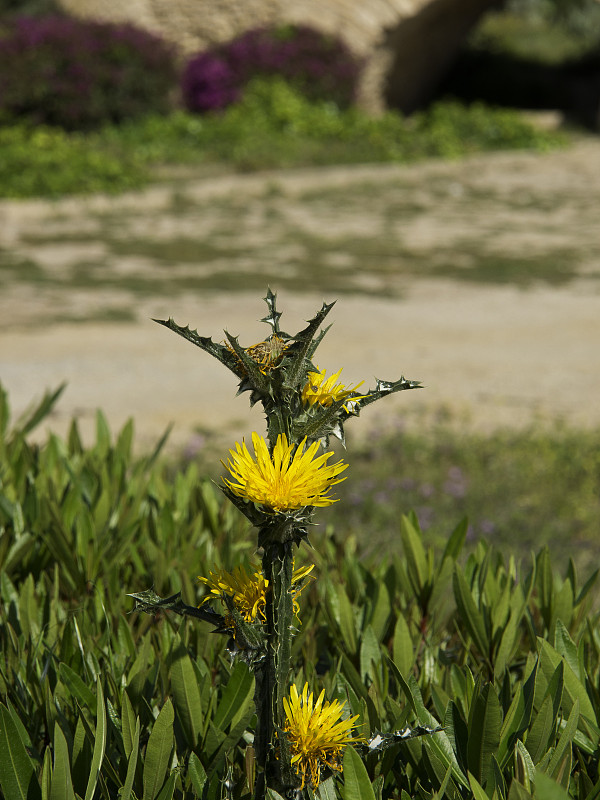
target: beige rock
<point>407,44</point>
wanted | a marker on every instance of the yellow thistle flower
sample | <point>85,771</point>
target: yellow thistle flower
<point>324,392</point>
<point>292,478</point>
<point>248,592</point>
<point>316,733</point>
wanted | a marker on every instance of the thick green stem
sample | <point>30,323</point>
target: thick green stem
<point>272,677</point>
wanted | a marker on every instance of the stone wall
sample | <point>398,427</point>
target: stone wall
<point>406,44</point>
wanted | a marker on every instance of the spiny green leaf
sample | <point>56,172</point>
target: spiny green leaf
<point>383,389</point>
<point>218,351</point>
<point>298,352</point>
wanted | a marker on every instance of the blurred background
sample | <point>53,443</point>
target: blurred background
<point>432,165</point>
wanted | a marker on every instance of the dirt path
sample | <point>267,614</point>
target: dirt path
<point>480,278</point>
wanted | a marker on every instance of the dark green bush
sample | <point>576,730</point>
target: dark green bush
<point>41,161</point>
<point>501,659</point>
<point>79,75</point>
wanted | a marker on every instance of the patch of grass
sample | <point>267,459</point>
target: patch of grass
<point>519,489</point>
<point>553,268</point>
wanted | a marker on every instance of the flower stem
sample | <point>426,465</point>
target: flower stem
<point>272,677</point>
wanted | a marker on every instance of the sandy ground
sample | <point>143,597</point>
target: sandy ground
<point>493,355</point>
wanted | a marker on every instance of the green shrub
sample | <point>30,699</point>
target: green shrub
<point>501,659</point>
<point>49,162</point>
<point>273,126</point>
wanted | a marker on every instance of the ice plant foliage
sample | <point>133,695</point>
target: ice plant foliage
<point>293,477</point>
<point>317,733</point>
<point>277,489</point>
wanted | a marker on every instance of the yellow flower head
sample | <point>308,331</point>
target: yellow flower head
<point>325,392</point>
<point>316,732</point>
<point>292,478</point>
<point>248,592</point>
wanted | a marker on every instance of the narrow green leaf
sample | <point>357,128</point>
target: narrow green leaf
<point>343,613</point>
<point>17,776</point>
<point>32,419</point>
<point>538,736</point>
<point>507,644</point>
<point>131,763</point>
<point>158,752</point>
<point>197,774</point>
<point>186,694</point>
<point>547,789</point>
<point>476,788</point>
<point>327,790</point>
<point>237,694</point>
<point>511,725</point>
<point>273,795</point>
<point>46,779</point>
<point>62,786</point>
<point>102,433</point>
<point>357,785</point>
<point>402,649</point>
<point>128,723</point>
<point>370,654</point>
<point>564,645</point>
<point>469,613</point>
<point>455,543</point>
<point>524,767</point>
<point>518,792</point>
<point>381,611</point>
<point>565,740</point>
<point>78,689</point>
<point>573,689</point>
<point>442,790</point>
<point>168,789</point>
<point>414,552</point>
<point>99,743</point>
<point>485,723</point>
